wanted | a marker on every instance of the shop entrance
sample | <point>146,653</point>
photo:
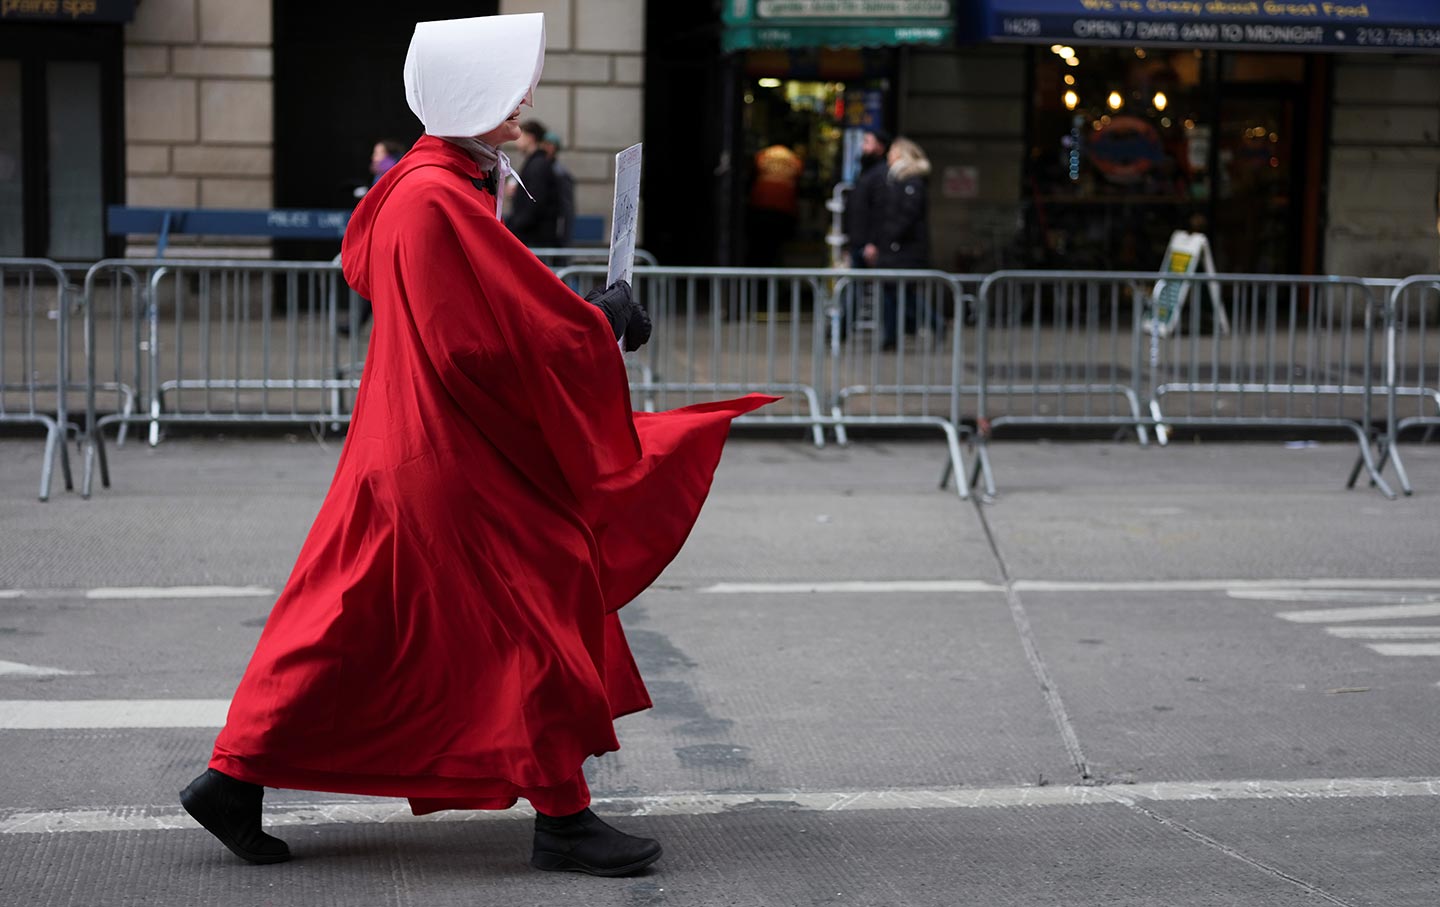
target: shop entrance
<point>1131,144</point>
<point>60,144</point>
<point>802,118</point>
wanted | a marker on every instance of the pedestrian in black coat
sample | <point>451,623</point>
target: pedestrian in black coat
<point>867,197</point>
<point>535,213</point>
<point>902,236</point>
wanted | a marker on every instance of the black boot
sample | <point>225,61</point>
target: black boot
<point>230,810</point>
<point>583,843</point>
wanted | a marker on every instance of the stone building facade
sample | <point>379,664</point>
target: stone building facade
<point>200,103</point>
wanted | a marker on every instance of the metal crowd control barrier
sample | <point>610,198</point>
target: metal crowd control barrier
<point>581,255</point>
<point>35,308</point>
<point>1087,348</point>
<point>796,333</point>
<point>899,357</point>
<point>222,342</point>
<point>216,342</point>
<point>1411,382</point>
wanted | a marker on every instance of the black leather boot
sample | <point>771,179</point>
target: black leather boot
<point>230,810</point>
<point>584,843</point>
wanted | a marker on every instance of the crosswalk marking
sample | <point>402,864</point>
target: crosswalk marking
<point>1410,649</point>
<point>49,715</point>
<point>1345,615</point>
<point>1432,632</point>
<point>14,668</point>
<point>370,810</point>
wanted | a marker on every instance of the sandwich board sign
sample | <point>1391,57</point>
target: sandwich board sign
<point>1186,254</point>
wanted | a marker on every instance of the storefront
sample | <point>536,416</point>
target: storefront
<point>809,78</point>
<point>1156,115</point>
<point>61,96</point>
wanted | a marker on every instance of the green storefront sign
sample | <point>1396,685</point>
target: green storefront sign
<point>753,24</point>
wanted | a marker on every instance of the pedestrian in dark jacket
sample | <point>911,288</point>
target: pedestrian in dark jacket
<point>535,212</point>
<point>902,235</point>
<point>564,192</point>
<point>867,196</point>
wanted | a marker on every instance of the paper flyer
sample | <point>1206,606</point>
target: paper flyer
<point>626,216</point>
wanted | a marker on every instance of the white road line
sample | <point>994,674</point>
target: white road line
<point>143,592</point>
<point>1432,632</point>
<point>49,715</point>
<point>1282,589</point>
<point>366,810</point>
<point>1371,596</point>
<point>11,593</point>
<point>14,668</point>
<point>920,585</point>
<point>1430,649</point>
<point>1343,615</point>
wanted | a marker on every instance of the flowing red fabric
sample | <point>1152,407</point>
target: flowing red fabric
<point>449,632</point>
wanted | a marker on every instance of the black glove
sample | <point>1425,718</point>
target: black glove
<point>628,319</point>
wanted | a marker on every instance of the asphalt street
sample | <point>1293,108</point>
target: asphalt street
<point>1200,675</point>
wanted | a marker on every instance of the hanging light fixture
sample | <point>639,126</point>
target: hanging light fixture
<point>1160,100</point>
<point>1071,99</point>
<point>1115,101</point>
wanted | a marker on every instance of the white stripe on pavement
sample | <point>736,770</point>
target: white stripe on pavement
<point>1431,649</point>
<point>1432,632</point>
<point>52,715</point>
<point>914,585</point>
<point>11,593</point>
<point>143,592</point>
<point>1281,589</point>
<point>14,668</point>
<point>366,810</point>
<point>1342,615</point>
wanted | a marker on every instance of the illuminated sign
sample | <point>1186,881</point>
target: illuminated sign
<point>1406,25</point>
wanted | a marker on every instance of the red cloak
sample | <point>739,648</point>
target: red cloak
<point>449,632</point>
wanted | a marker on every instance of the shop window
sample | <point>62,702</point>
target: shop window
<point>12,171</point>
<point>76,200</point>
<point>1128,145</point>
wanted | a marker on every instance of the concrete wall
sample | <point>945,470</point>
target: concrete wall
<point>1384,167</point>
<point>966,108</point>
<point>591,91</point>
<point>199,109</point>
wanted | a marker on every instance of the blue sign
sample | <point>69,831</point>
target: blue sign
<point>280,223</point>
<point>1321,25</point>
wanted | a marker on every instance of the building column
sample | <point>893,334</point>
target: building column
<point>199,109</point>
<point>592,91</point>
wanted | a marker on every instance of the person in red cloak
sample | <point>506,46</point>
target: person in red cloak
<point>449,633</point>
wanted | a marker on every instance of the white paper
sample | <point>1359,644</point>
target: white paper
<point>626,215</point>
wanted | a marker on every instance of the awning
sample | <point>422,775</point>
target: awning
<point>77,11</point>
<point>836,23</point>
<point>1319,25</point>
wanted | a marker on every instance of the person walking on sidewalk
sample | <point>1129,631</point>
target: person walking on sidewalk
<point>902,236</point>
<point>535,214</point>
<point>449,632</point>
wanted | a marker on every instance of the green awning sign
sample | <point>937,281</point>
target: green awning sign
<point>753,24</point>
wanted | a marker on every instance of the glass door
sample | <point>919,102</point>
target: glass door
<point>12,163</point>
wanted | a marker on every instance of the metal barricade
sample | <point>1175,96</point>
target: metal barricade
<point>1253,351</point>
<point>216,342</point>
<point>558,258</point>
<point>899,357</point>
<point>1411,383</point>
<point>795,333</point>
<point>719,332</point>
<point>35,310</point>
